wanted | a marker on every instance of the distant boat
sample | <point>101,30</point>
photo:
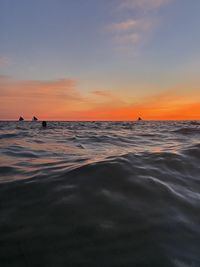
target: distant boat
<point>34,118</point>
<point>21,118</point>
<point>139,119</point>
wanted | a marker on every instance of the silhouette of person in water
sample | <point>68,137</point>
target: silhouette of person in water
<point>44,124</point>
<point>139,119</point>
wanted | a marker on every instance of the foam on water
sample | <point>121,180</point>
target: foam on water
<point>100,194</point>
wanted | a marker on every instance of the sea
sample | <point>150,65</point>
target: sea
<point>100,194</point>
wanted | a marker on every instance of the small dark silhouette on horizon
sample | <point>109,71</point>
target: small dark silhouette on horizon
<point>21,118</point>
<point>44,124</point>
<point>34,118</point>
<point>139,119</point>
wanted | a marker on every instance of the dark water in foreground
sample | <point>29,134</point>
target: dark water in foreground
<point>107,194</point>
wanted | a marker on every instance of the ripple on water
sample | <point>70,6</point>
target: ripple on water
<point>129,198</point>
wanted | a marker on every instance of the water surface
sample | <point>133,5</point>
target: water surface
<point>100,194</point>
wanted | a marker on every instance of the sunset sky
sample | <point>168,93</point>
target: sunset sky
<point>100,59</point>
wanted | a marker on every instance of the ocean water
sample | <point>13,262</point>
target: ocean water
<point>106,194</point>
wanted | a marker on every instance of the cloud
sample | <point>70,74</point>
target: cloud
<point>42,98</point>
<point>102,93</point>
<point>143,4</point>
<point>61,100</point>
<point>165,106</point>
<point>129,32</point>
<point>127,25</point>
<point>138,24</point>
<point>106,97</point>
<point>176,103</point>
<point>128,39</point>
<point>36,89</point>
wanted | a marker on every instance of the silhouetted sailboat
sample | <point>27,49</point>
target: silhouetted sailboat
<point>34,118</point>
<point>21,118</point>
<point>139,119</point>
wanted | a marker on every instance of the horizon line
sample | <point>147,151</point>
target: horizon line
<point>57,120</point>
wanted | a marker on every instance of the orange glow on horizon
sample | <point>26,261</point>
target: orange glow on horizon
<point>60,100</point>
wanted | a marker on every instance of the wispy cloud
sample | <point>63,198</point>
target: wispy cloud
<point>102,93</point>
<point>43,98</point>
<point>130,24</point>
<point>138,24</point>
<point>60,99</point>
<point>143,4</point>
<point>35,88</point>
<point>130,31</point>
<point>127,39</point>
<point>167,105</point>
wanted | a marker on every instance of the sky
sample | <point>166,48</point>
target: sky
<point>100,59</point>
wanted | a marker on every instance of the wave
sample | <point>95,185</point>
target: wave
<point>77,196</point>
<point>188,130</point>
<point>129,206</point>
<point>8,135</point>
<point>194,123</point>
